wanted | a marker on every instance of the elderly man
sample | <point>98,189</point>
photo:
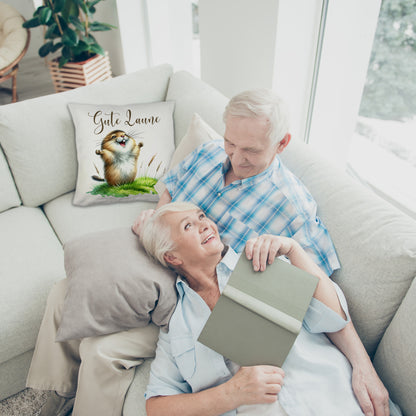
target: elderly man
<point>242,185</point>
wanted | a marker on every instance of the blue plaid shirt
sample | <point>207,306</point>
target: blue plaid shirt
<point>273,202</point>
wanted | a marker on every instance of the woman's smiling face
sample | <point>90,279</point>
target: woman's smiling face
<point>195,236</point>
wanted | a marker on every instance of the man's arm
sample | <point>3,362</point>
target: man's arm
<point>144,215</point>
<point>368,388</point>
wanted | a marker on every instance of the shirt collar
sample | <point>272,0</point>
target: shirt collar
<point>252,179</point>
<point>224,269</point>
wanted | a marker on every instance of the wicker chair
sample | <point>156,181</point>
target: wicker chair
<point>14,42</point>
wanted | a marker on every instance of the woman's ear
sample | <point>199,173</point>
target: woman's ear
<point>171,259</point>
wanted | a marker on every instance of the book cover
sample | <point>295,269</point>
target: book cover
<point>259,314</point>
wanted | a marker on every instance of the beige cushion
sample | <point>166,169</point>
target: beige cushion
<point>394,359</point>
<point>198,133</point>
<point>8,193</point>
<point>31,259</point>
<point>48,131</point>
<point>375,242</point>
<point>70,221</point>
<point>113,286</point>
<point>191,95</point>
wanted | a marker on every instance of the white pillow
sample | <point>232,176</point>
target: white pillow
<point>198,132</point>
<point>122,150</point>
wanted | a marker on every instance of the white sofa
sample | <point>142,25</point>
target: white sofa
<point>376,243</point>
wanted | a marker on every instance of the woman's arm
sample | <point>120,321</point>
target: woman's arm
<point>250,385</point>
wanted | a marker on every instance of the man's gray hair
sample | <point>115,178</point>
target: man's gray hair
<point>261,103</point>
<point>155,235</point>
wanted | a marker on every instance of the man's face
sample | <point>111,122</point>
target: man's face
<point>195,236</point>
<point>247,146</point>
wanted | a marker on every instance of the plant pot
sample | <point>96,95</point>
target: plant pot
<point>78,74</point>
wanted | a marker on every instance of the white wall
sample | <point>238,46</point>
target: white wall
<point>268,44</point>
<point>238,42</point>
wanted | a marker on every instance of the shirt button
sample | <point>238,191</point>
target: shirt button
<point>219,194</point>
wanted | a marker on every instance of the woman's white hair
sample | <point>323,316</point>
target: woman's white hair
<point>261,103</point>
<point>155,234</point>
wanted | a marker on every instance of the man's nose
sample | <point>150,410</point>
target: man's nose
<point>238,156</point>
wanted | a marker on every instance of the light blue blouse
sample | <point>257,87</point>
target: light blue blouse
<point>317,375</point>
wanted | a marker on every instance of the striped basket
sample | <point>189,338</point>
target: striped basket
<point>78,74</point>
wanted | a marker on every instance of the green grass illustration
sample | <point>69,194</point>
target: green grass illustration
<point>143,185</point>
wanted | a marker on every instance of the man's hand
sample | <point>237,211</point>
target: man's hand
<point>255,385</point>
<point>370,392</point>
<point>141,219</point>
<point>264,249</point>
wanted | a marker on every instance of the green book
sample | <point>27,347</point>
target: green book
<point>259,314</point>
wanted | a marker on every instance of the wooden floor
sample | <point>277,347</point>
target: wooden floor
<point>33,80</point>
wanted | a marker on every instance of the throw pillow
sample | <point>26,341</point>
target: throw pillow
<point>113,285</point>
<point>122,151</point>
<point>198,133</point>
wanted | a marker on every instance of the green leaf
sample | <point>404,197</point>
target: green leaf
<point>70,9</point>
<point>34,22</point>
<point>57,46</point>
<point>58,5</point>
<point>45,49</point>
<point>52,32</point>
<point>77,23</point>
<point>62,61</point>
<point>70,37</point>
<point>45,13</point>
<point>96,48</point>
<point>82,5</point>
<point>66,52</point>
<point>100,27</point>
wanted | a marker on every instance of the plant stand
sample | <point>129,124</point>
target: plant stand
<point>78,74</point>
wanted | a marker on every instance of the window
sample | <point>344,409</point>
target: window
<point>383,147</point>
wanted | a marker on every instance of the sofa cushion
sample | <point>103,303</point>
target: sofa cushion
<point>394,359</point>
<point>122,151</point>
<point>192,95</point>
<point>113,286</point>
<point>374,241</point>
<point>70,221</point>
<point>31,260</point>
<point>48,131</point>
<point>9,197</point>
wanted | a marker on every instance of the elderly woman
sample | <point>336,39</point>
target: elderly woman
<point>188,378</point>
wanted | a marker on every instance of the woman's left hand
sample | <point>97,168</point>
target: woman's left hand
<point>264,249</point>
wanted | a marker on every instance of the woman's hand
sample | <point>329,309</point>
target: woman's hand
<point>255,385</point>
<point>264,249</point>
<point>141,219</point>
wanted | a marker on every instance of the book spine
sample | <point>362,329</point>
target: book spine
<point>263,309</point>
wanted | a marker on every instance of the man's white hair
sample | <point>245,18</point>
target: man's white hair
<point>261,103</point>
<point>155,234</point>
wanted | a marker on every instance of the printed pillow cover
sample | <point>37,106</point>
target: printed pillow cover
<point>122,150</point>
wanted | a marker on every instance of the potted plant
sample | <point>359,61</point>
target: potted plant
<point>68,31</point>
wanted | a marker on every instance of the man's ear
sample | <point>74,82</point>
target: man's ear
<point>283,143</point>
<point>172,259</point>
